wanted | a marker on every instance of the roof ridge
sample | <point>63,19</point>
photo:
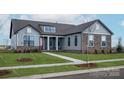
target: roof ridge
<point>88,22</point>
<point>44,22</point>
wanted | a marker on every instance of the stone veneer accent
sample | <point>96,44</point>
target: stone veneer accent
<point>97,44</point>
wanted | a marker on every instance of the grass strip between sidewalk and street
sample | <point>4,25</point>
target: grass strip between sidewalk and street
<point>45,70</point>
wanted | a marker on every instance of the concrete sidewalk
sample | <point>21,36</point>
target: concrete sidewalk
<point>52,75</point>
<point>110,60</point>
<point>65,57</point>
<point>57,64</point>
<point>81,61</point>
<point>36,66</point>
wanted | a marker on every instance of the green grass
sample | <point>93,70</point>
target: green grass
<point>92,57</point>
<point>33,71</point>
<point>9,59</point>
<point>109,64</point>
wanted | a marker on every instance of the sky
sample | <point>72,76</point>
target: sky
<point>115,22</point>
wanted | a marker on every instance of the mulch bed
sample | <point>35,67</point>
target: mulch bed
<point>4,72</point>
<point>24,59</point>
<point>86,65</point>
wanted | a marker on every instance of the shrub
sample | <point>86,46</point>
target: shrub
<point>4,72</point>
<point>110,51</point>
<point>96,52</point>
<point>103,51</point>
<point>119,46</point>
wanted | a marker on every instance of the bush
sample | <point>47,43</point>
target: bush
<point>103,51</point>
<point>4,72</point>
<point>96,52</point>
<point>119,48</point>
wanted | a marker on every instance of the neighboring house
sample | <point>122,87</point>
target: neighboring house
<point>92,36</point>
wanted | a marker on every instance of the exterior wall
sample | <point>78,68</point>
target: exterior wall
<point>17,39</point>
<point>97,44</point>
<point>72,42</point>
<point>97,32</point>
<point>13,42</point>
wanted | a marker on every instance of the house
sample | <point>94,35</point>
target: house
<point>92,36</point>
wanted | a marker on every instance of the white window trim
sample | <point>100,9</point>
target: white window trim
<point>29,36</point>
<point>105,41</point>
<point>49,31</point>
<point>88,41</point>
<point>29,30</point>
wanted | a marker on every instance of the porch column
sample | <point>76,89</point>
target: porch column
<point>41,43</point>
<point>57,43</point>
<point>48,44</point>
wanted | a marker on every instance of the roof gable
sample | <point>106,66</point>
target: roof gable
<point>99,28</point>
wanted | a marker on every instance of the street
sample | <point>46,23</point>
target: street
<point>110,74</point>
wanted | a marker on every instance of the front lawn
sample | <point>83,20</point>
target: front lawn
<point>44,70</point>
<point>10,59</point>
<point>91,57</point>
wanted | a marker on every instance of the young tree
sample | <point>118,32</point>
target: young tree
<point>119,46</point>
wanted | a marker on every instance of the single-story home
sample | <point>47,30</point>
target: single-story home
<point>86,37</point>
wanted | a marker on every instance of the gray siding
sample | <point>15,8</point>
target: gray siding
<point>17,39</point>
<point>72,42</point>
<point>13,42</point>
<point>100,30</point>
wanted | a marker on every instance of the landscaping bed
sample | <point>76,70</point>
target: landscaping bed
<point>86,65</point>
<point>4,72</point>
<point>24,59</point>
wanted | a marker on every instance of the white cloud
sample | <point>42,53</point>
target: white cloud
<point>122,23</point>
<point>24,17</point>
<point>60,18</point>
<point>4,24</point>
<point>3,19</point>
<point>63,18</point>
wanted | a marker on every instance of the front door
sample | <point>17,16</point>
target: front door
<point>52,43</point>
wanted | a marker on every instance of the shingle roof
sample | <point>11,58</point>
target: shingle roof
<point>61,29</point>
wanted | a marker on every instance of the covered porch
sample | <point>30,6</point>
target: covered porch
<point>52,42</point>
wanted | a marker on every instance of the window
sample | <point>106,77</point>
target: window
<point>91,40</point>
<point>103,41</point>
<point>97,27</point>
<point>76,40</point>
<point>29,30</point>
<point>28,40</point>
<point>49,29</point>
<point>68,41</point>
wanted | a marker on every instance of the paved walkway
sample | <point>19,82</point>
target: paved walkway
<point>36,66</point>
<point>52,75</point>
<point>80,61</point>
<point>65,57</point>
<point>110,60</point>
